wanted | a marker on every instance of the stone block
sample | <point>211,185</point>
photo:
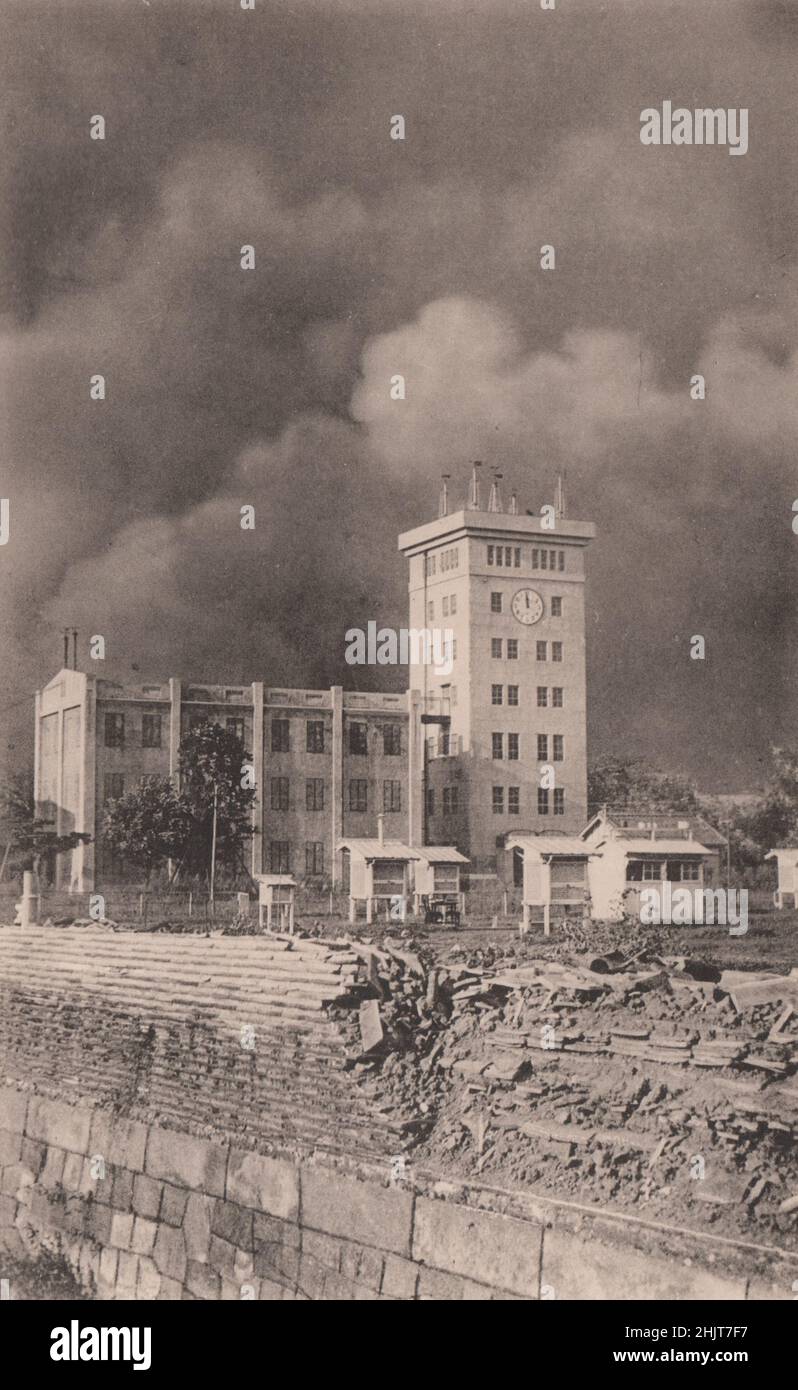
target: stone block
<point>197,1226</point>
<point>202,1281</point>
<point>122,1190</point>
<point>267,1184</point>
<point>53,1169</point>
<point>126,1275</point>
<point>576,1267</point>
<point>149,1279</point>
<point>173,1205</point>
<point>233,1223</point>
<point>183,1159</point>
<point>122,1230</point>
<point>13,1108</point>
<point>54,1122</point>
<point>458,1240</point>
<point>169,1252</point>
<point>144,1233</point>
<point>10,1147</point>
<point>377,1216</point>
<point>399,1277</point>
<point>445,1288</point>
<point>146,1196</point>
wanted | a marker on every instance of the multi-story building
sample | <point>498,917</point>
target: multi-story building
<point>495,746</point>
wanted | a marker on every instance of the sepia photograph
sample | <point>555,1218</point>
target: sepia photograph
<point>398,665</point>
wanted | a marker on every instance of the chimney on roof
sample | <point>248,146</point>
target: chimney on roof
<point>495,501</point>
<point>66,647</point>
<point>560,503</point>
<point>74,649</point>
<point>381,828</point>
<point>443,504</point>
<point>473,498</point>
<point>513,504</point>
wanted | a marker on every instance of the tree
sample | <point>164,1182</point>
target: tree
<point>148,826</point>
<point>215,782</point>
<point>32,840</point>
<point>633,783</point>
<point>774,821</point>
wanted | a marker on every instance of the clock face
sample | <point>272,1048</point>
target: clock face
<point>527,606</point>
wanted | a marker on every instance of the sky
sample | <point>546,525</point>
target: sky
<point>373,257</point>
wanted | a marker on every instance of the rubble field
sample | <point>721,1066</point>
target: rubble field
<point>639,1079</point>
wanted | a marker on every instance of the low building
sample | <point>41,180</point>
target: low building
<point>786,894</point>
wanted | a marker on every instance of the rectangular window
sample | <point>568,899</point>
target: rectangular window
<point>451,800</point>
<point>496,647</point>
<point>540,651</point>
<point>517,557</point>
<point>512,747</point>
<point>556,651</point>
<point>513,800</point>
<point>557,697</point>
<point>496,603</point>
<point>497,745</point>
<point>314,735</point>
<point>445,606</point>
<point>281,735</point>
<point>498,801</point>
<point>561,560</point>
<point>453,604</point>
<point>557,748</point>
<point>508,555</point>
<point>314,794</point>
<point>358,794</point>
<point>314,857</point>
<point>544,559</point>
<point>114,730</point>
<point>512,648</point>
<point>691,873</point>
<point>490,554</point>
<point>392,796</point>
<point>534,559</point>
<point>543,748</point>
<point>280,857</point>
<point>512,694</point>
<point>391,740</point>
<point>651,872</point>
<point>543,801</point>
<point>500,555</point>
<point>358,739</point>
<point>543,697</point>
<point>556,608</point>
<point>279,793</point>
<point>559,801</point>
<point>430,612</point>
<point>497,694</point>
<point>113,786</point>
<point>235,726</point>
<point>151,731</point>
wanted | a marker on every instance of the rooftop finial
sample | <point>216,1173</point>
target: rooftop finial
<point>443,504</point>
<point>473,499</point>
<point>560,504</point>
<point>495,501</point>
<point>513,504</point>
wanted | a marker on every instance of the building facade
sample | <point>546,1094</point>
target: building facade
<point>488,743</point>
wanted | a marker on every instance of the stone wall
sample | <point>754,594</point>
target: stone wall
<point>144,1212</point>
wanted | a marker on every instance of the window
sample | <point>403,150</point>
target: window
<point>430,801</point>
<point>497,694</point>
<point>280,857</point>
<point>431,564</point>
<point>498,801</point>
<point>557,748</point>
<point>314,735</point>
<point>281,735</point>
<point>543,801</point>
<point>314,794</point>
<point>559,801</point>
<point>314,857</point>
<point>445,606</point>
<point>391,740</point>
<point>544,559</point>
<point>279,793</point>
<point>651,872</point>
<point>114,730</point>
<point>556,699</point>
<point>681,871</point>
<point>540,651</point>
<point>556,651</point>
<point>496,603</point>
<point>451,801</point>
<point>392,796</point>
<point>691,873</point>
<point>543,697</point>
<point>496,647</point>
<point>151,731</point>
<point>512,747</point>
<point>517,557</point>
<point>535,554</point>
<point>497,745</point>
<point>113,786</point>
<point>358,794</point>
<point>235,726</point>
<point>430,612</point>
<point>358,738</point>
<point>453,604</point>
<point>513,800</point>
<point>490,554</point>
<point>499,555</point>
<point>556,608</point>
<point>561,560</point>
<point>512,648</point>
<point>512,694</point>
<point>543,747</point>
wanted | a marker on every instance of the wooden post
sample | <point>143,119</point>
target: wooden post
<point>190,902</point>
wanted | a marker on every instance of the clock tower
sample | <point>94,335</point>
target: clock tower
<point>504,729</point>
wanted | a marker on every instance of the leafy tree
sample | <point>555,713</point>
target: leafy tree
<point>633,783</point>
<point>214,768</point>
<point>148,826</point>
<point>32,840</point>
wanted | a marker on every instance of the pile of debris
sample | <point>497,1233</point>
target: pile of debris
<point>636,1079</point>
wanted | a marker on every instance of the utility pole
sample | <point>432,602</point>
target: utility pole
<point>213,846</point>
